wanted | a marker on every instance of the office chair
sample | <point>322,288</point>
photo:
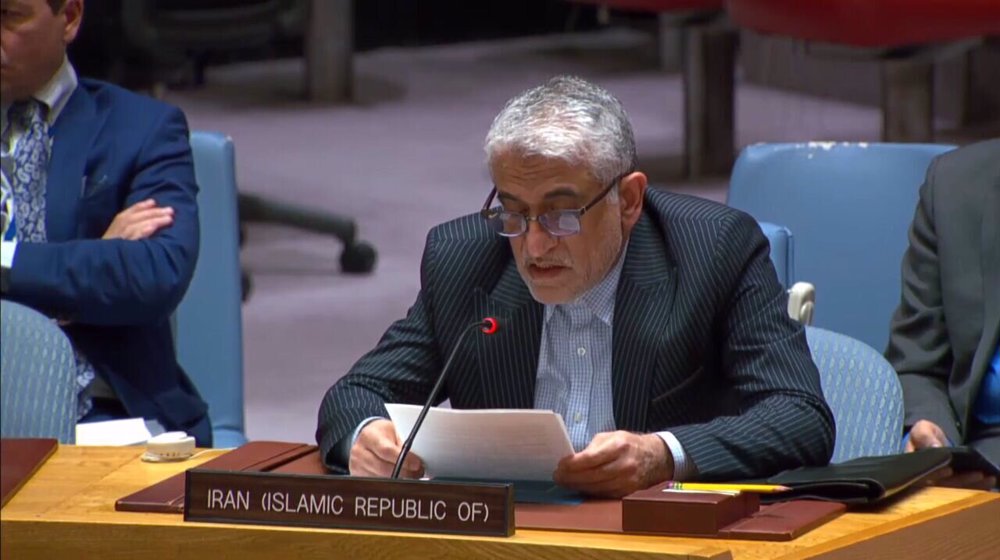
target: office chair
<point>781,241</point>
<point>171,32</point>
<point>850,207</point>
<point>37,376</point>
<point>209,320</point>
<point>904,36</point>
<point>168,30</point>
<point>863,392</point>
<point>709,62</point>
<point>801,295</point>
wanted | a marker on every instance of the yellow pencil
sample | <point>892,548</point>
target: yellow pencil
<point>734,487</point>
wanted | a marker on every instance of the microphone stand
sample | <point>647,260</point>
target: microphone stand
<point>489,326</point>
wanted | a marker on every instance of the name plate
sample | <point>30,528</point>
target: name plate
<point>342,502</point>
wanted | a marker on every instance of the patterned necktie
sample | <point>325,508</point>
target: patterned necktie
<point>7,228</point>
<point>27,183</point>
<point>31,161</point>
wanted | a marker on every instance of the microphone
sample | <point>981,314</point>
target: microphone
<point>488,325</point>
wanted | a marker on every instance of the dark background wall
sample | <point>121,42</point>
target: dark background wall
<point>102,49</point>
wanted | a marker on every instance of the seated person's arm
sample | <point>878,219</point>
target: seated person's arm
<point>402,368</point>
<point>784,421</point>
<point>127,280</point>
<point>919,349</point>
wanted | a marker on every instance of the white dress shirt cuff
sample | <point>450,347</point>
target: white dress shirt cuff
<point>683,468</point>
<point>343,449</point>
<point>7,249</point>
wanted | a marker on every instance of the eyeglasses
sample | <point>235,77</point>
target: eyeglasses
<point>559,223</point>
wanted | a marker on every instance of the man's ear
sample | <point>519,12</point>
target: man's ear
<point>631,191</point>
<point>72,10</point>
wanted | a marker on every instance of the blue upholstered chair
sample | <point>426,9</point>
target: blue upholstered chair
<point>863,392</point>
<point>782,251</point>
<point>850,207</point>
<point>209,321</point>
<point>37,376</point>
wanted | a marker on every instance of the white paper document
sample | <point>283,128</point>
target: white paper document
<point>128,431</point>
<point>488,444</point>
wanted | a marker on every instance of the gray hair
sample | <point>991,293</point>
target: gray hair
<point>570,119</point>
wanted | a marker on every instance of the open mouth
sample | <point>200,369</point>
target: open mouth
<point>546,271</point>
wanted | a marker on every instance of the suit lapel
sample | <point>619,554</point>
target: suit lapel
<point>72,135</point>
<point>642,313</point>
<point>509,359</point>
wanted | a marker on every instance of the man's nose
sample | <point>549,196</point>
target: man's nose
<point>538,241</point>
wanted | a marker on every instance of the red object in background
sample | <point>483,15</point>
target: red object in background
<point>656,6</point>
<point>869,23</point>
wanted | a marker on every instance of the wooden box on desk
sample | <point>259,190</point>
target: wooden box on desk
<point>654,510</point>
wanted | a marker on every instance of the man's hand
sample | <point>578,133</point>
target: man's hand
<point>616,464</point>
<point>375,453</point>
<point>926,434</point>
<point>139,221</point>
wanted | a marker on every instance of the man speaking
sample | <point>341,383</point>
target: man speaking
<point>652,322</point>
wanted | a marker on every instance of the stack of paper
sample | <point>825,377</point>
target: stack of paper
<point>487,444</point>
<point>129,431</point>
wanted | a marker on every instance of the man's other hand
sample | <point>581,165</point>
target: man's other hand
<point>926,434</point>
<point>616,464</point>
<point>139,221</point>
<point>376,450</point>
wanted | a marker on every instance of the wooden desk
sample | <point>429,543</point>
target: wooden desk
<point>67,509</point>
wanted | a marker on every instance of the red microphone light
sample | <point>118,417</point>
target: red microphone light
<point>490,325</point>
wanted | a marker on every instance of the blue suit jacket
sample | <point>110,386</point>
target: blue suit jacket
<point>111,149</point>
<point>702,343</point>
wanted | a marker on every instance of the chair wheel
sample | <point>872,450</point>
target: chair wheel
<point>358,258</point>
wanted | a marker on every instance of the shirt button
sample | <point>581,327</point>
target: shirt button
<point>577,417</point>
<point>581,351</point>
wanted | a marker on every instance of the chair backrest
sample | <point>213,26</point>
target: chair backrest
<point>850,206</point>
<point>209,320</point>
<point>37,376</point>
<point>178,25</point>
<point>863,392</point>
<point>782,251</point>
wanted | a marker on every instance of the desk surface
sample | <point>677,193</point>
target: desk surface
<point>68,507</point>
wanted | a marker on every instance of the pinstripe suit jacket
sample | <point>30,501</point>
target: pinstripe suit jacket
<point>702,344</point>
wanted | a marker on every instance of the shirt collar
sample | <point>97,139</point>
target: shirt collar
<point>600,299</point>
<point>55,94</point>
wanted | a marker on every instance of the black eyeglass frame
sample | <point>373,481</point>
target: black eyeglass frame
<point>493,214</point>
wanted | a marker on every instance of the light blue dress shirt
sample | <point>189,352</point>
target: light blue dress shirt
<point>574,367</point>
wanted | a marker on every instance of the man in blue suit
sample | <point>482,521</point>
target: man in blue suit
<point>100,223</point>
<point>652,322</point>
